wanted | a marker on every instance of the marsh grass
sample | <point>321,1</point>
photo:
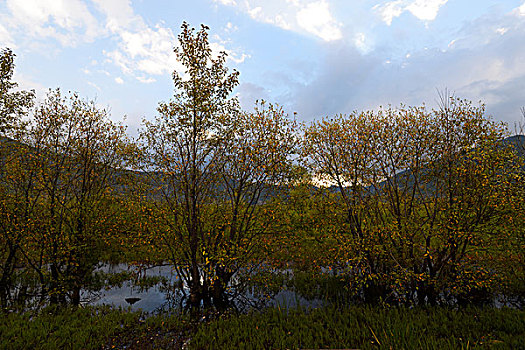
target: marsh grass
<point>343,326</point>
<point>323,286</point>
<point>91,328</point>
<point>365,328</point>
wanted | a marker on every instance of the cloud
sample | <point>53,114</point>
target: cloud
<point>425,10</point>
<point>502,30</point>
<point>361,42</point>
<point>505,99</point>
<point>248,93</point>
<point>119,80</point>
<point>218,44</point>
<point>6,40</point>
<point>93,85</point>
<point>390,10</point>
<point>520,11</point>
<point>316,19</point>
<point>307,17</point>
<point>477,66</point>
<point>67,21</point>
<point>283,21</point>
<point>144,51</point>
<point>146,80</point>
<point>230,28</point>
<point>141,49</point>
<point>227,2</point>
<point>27,83</point>
<point>344,72</point>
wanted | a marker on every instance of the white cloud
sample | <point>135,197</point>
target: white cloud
<point>425,10</point>
<point>119,14</point>
<point>361,43</point>
<point>68,21</point>
<point>26,82</point>
<point>6,40</point>
<point>93,85</point>
<point>119,80</point>
<point>141,48</point>
<point>255,12</point>
<point>390,10</point>
<point>482,65</point>
<point>277,19</point>
<point>307,16</point>
<point>144,51</point>
<point>219,45</point>
<point>119,59</point>
<point>226,2</point>
<point>248,93</point>
<point>316,19</point>
<point>146,80</point>
<point>521,10</point>
<point>230,28</point>
<point>501,30</point>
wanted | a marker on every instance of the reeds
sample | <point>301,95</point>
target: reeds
<point>336,327</point>
<point>365,327</point>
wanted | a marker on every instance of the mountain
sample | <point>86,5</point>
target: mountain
<point>405,178</point>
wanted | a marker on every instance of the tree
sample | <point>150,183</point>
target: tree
<point>183,145</point>
<point>424,192</point>
<point>212,166</point>
<point>13,106</point>
<point>257,162</point>
<point>76,159</point>
<point>514,261</point>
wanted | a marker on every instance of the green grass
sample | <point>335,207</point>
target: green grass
<point>352,327</point>
<point>366,328</point>
<point>90,328</point>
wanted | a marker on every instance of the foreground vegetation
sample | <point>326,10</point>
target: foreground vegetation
<point>365,328</point>
<point>329,327</point>
<point>90,328</point>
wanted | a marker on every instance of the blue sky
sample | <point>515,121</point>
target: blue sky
<point>314,57</point>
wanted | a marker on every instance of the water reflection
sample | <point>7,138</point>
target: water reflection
<point>169,293</point>
<point>130,293</point>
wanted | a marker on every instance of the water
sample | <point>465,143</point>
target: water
<point>129,295</point>
<point>159,289</point>
<point>169,294</point>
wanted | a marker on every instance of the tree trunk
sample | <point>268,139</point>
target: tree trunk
<point>54,289</point>
<point>5,281</point>
<point>219,287</point>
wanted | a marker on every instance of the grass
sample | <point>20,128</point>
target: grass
<point>91,328</point>
<point>366,328</point>
<point>363,327</point>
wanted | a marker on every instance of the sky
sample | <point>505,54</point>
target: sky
<point>317,58</point>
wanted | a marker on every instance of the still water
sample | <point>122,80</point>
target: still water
<point>168,292</point>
